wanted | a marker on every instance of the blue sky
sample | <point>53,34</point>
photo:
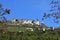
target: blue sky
<point>28,9</point>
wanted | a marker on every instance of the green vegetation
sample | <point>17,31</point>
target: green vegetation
<point>12,33</point>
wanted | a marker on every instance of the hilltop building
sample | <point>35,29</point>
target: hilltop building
<point>28,22</point>
<point>24,21</point>
<point>31,23</point>
<point>37,22</point>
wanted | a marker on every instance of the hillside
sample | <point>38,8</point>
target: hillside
<point>25,32</point>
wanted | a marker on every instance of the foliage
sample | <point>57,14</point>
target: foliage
<point>30,35</point>
<point>54,11</point>
<point>3,12</point>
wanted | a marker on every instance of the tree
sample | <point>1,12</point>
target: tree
<point>54,12</point>
<point>3,12</point>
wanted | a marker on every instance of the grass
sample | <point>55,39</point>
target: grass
<point>15,28</point>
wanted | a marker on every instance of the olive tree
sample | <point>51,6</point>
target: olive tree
<point>53,12</point>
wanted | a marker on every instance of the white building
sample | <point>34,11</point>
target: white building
<point>44,29</point>
<point>23,22</point>
<point>37,22</point>
<point>13,20</point>
<point>27,22</point>
<point>53,28</point>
